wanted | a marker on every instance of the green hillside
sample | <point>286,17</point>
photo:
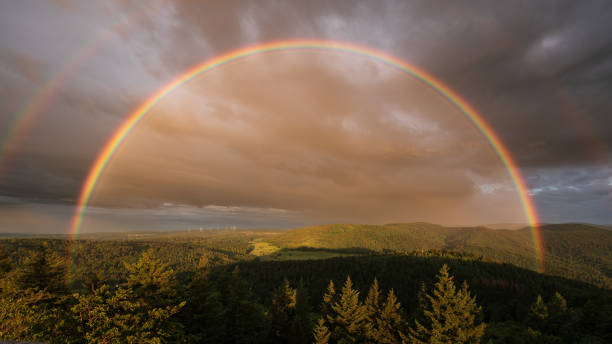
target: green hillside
<point>578,251</point>
<point>215,289</point>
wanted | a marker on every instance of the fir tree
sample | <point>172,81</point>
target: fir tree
<point>213,318</point>
<point>151,279</point>
<point>25,316</point>
<point>551,319</point>
<point>450,315</point>
<point>561,318</point>
<point>389,322</point>
<point>372,300</point>
<point>282,311</point>
<point>539,310</point>
<point>350,323</point>
<point>245,316</point>
<point>329,298</point>
<point>321,333</point>
<point>117,316</point>
<point>557,305</point>
<point>385,319</point>
<point>34,298</point>
<point>204,315</point>
<point>42,270</point>
<point>302,325</point>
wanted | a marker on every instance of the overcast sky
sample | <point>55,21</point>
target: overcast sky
<point>303,137</point>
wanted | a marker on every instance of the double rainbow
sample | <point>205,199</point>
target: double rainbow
<point>444,91</point>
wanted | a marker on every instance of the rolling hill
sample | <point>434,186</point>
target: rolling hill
<point>579,251</point>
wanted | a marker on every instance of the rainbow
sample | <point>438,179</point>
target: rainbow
<point>119,136</point>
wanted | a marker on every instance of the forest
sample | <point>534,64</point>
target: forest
<point>231,287</point>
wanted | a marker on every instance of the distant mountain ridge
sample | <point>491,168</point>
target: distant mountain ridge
<point>573,250</point>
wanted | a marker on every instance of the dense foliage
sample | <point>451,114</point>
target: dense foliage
<point>210,289</point>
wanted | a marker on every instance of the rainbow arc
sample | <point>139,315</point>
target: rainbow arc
<point>120,135</point>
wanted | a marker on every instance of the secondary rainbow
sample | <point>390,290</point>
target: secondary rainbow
<point>35,105</point>
<point>443,90</point>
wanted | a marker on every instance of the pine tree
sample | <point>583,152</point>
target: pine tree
<point>372,300</point>
<point>42,270</point>
<point>213,318</point>
<point>321,333</point>
<point>539,310</point>
<point>118,316</point>
<point>282,311</point>
<point>141,311</point>
<point>329,298</point>
<point>551,319</point>
<point>302,325</point>
<point>151,279</point>
<point>385,320</point>
<point>561,319</point>
<point>537,317</point>
<point>34,298</point>
<point>389,322</point>
<point>25,315</point>
<point>557,305</point>
<point>350,323</point>
<point>450,315</point>
<point>245,316</point>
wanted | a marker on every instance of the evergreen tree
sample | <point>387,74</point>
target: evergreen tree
<point>450,315</point>
<point>329,298</point>
<point>558,304</point>
<point>34,298</point>
<point>141,311</point>
<point>372,301</point>
<point>245,316</point>
<point>204,316</point>
<point>389,322</point>
<point>302,324</point>
<point>42,269</point>
<point>562,320</point>
<point>25,316</point>
<point>151,279</point>
<point>282,311</point>
<point>321,333</point>
<point>539,310</point>
<point>350,323</point>
<point>549,321</point>
<point>213,319</point>
<point>385,319</point>
<point>117,316</point>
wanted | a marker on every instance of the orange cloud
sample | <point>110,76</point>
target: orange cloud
<point>304,132</point>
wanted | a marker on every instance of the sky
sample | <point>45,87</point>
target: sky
<point>297,138</point>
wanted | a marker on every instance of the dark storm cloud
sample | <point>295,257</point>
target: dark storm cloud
<point>565,195</point>
<point>539,72</point>
<point>534,69</point>
<point>78,98</point>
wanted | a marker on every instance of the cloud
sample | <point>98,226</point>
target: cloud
<point>523,82</point>
<point>306,138</point>
<point>331,137</point>
<point>32,216</point>
<point>574,194</point>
